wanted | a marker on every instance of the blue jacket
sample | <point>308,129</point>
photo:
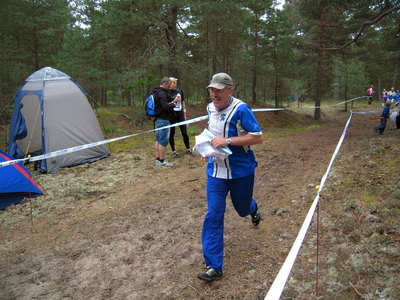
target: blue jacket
<point>385,112</point>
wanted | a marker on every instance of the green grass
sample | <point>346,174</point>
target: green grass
<point>369,200</point>
<point>392,165</point>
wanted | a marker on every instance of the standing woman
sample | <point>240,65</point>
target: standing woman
<point>180,116</point>
<point>384,97</point>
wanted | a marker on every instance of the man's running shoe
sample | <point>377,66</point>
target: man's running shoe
<point>165,163</point>
<point>210,274</point>
<point>256,218</point>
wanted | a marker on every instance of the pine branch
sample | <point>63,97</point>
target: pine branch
<point>365,24</point>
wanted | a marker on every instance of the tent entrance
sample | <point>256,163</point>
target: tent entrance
<point>31,111</point>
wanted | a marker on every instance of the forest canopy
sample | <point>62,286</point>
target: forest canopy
<point>118,50</point>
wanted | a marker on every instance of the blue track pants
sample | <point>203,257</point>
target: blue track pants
<point>241,191</point>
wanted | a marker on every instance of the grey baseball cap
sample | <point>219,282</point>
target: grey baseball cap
<point>220,80</point>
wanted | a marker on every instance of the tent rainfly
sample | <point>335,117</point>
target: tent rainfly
<point>16,183</point>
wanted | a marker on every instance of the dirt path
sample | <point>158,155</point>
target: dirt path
<point>141,239</point>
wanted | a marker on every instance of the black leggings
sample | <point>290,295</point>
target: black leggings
<point>179,118</point>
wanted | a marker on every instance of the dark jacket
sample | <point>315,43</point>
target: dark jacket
<point>385,112</point>
<point>172,95</point>
<point>164,107</point>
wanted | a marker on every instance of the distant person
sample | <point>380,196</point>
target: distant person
<point>384,116</point>
<point>397,99</point>
<point>384,97</point>
<point>234,125</point>
<point>370,93</point>
<point>164,117</point>
<point>300,99</point>
<point>395,118</point>
<point>398,120</point>
<point>180,116</point>
<point>392,95</point>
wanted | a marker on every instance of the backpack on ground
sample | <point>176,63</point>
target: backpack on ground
<point>150,106</point>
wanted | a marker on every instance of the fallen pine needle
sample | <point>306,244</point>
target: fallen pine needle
<point>357,292</point>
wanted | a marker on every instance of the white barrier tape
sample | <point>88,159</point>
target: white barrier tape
<point>64,151</point>
<point>12,162</point>
<point>81,147</point>
<point>94,144</point>
<point>349,100</point>
<point>313,107</point>
<point>202,118</point>
<point>267,109</point>
<point>365,112</point>
<point>277,286</point>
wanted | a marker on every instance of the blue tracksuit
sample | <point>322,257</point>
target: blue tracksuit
<point>234,174</point>
<point>397,99</point>
<point>384,116</point>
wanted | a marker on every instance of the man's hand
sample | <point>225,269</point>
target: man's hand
<point>203,159</point>
<point>219,142</point>
<point>245,140</point>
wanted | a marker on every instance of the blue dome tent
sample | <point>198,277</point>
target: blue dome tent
<point>51,113</point>
<point>16,183</point>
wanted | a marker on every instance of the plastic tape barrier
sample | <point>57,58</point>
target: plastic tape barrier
<point>277,286</point>
<point>94,144</point>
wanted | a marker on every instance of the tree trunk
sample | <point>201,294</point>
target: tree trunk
<point>276,91</point>
<point>345,87</point>
<point>255,61</point>
<point>277,82</point>
<point>379,89</point>
<point>105,78</point>
<point>318,81</point>
<point>171,35</point>
<point>35,45</point>
<point>394,77</point>
<point>2,100</point>
<point>211,51</point>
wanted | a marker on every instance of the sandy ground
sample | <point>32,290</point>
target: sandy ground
<point>123,228</point>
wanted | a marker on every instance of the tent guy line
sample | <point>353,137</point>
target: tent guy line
<point>94,144</point>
